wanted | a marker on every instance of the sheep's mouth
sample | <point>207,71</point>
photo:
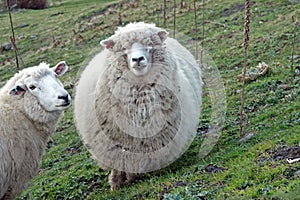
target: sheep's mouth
<point>139,67</point>
<point>64,105</point>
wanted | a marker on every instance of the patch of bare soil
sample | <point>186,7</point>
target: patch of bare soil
<point>281,153</point>
<point>235,8</point>
<point>285,152</point>
<point>213,169</point>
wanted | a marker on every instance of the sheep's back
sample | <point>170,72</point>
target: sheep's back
<point>84,103</point>
<point>187,66</point>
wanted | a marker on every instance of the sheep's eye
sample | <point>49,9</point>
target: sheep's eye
<point>32,87</point>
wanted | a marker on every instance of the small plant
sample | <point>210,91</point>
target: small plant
<point>196,27</point>
<point>294,41</point>
<point>203,32</point>
<point>165,14</point>
<point>174,20</point>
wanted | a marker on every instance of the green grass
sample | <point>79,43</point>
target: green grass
<point>272,101</point>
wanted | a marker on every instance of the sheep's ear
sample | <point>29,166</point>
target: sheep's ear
<point>18,90</point>
<point>60,68</point>
<point>163,35</point>
<point>109,43</point>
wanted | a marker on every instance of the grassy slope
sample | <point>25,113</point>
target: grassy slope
<point>273,112</point>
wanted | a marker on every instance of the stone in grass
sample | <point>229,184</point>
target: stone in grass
<point>22,25</point>
<point>293,1</point>
<point>6,47</point>
<point>294,57</point>
<point>297,71</point>
<point>254,72</point>
<point>246,137</point>
<point>33,37</point>
<point>57,13</point>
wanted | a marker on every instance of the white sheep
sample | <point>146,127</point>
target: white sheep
<point>137,104</point>
<point>31,103</point>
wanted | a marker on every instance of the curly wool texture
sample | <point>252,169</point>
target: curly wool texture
<point>139,124</point>
<point>141,32</point>
<point>24,130</point>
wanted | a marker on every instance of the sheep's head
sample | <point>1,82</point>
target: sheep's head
<point>42,83</point>
<point>137,41</point>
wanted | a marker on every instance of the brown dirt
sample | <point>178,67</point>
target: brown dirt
<point>235,8</point>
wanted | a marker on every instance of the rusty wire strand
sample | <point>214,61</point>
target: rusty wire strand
<point>12,38</point>
<point>196,29</point>
<point>246,44</point>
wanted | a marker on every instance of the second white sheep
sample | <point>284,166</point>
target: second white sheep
<point>31,104</point>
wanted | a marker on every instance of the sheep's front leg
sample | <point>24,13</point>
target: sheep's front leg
<point>132,177</point>
<point>8,195</point>
<point>116,179</point>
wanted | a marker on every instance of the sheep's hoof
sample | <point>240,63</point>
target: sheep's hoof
<point>116,179</point>
<point>114,187</point>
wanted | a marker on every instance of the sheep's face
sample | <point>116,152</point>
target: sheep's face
<point>139,58</point>
<point>45,87</point>
<point>137,45</point>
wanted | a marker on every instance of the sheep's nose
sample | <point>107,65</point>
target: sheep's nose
<point>138,60</point>
<point>66,98</point>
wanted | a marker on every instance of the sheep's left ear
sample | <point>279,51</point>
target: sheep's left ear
<point>18,90</point>
<point>163,35</point>
<point>60,68</point>
<point>109,43</point>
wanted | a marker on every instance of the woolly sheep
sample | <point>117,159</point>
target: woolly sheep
<point>137,103</point>
<point>31,103</point>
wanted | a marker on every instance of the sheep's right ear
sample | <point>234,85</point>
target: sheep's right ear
<point>18,90</point>
<point>60,68</point>
<point>109,43</point>
<point>163,35</point>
